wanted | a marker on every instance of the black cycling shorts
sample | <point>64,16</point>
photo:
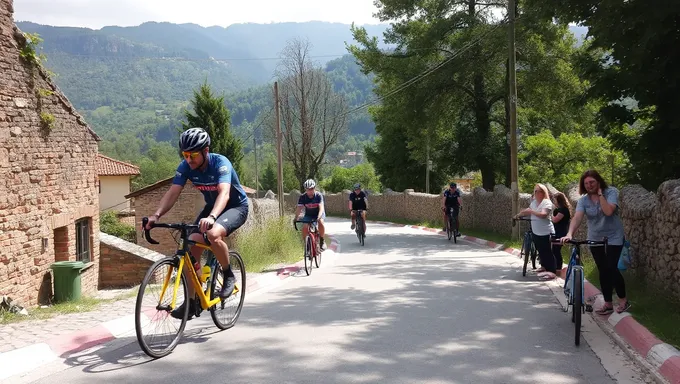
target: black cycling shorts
<point>456,209</point>
<point>231,218</point>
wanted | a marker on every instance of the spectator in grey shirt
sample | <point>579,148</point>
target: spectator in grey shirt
<point>600,205</point>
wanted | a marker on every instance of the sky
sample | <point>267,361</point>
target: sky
<point>98,13</point>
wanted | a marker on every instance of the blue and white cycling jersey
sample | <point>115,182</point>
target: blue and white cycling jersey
<point>219,170</point>
<point>311,204</point>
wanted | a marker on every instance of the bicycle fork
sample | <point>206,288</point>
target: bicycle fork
<point>571,284</point>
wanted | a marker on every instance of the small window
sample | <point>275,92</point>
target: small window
<point>83,251</point>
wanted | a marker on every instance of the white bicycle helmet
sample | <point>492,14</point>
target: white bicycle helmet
<point>310,183</point>
<point>194,139</point>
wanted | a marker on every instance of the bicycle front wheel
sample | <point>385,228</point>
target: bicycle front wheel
<point>309,251</point>
<point>526,249</point>
<point>578,303</point>
<point>226,312</point>
<point>153,309</point>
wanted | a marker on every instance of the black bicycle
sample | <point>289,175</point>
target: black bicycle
<point>574,283</point>
<point>528,248</point>
<point>360,228</point>
<point>451,224</point>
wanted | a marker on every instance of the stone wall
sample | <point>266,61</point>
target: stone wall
<point>481,209</point>
<point>47,175</point>
<point>652,222</point>
<point>187,207</point>
<point>123,264</point>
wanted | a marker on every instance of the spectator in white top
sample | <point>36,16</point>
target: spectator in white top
<point>542,227</point>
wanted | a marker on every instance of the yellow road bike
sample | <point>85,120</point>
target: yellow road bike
<point>164,289</point>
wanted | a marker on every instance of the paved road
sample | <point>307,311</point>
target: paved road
<point>409,307</point>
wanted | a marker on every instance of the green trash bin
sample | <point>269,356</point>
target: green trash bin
<point>67,280</point>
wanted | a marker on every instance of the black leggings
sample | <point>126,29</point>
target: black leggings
<point>557,252</point>
<point>542,244</point>
<point>607,265</point>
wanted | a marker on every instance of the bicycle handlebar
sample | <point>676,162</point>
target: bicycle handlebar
<point>302,221</point>
<point>147,232</point>
<point>603,242</point>
<point>516,219</point>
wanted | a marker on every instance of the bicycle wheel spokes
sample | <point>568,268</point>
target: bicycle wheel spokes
<point>309,251</point>
<point>225,313</point>
<point>157,331</point>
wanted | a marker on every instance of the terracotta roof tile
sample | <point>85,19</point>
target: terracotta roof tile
<point>107,166</point>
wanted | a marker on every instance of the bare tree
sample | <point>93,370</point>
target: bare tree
<point>313,116</point>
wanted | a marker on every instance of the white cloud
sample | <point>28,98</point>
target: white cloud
<point>99,13</point>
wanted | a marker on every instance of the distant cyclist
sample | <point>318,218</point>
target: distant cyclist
<point>312,202</point>
<point>452,199</point>
<point>358,201</point>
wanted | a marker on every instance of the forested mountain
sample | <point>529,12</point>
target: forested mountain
<point>137,80</point>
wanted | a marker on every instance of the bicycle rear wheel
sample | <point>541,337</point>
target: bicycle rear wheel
<point>309,251</point>
<point>578,303</point>
<point>152,314</point>
<point>227,311</point>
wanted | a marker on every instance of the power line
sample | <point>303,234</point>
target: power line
<point>420,76</point>
<point>177,58</point>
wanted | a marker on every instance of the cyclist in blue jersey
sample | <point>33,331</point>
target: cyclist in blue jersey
<point>312,202</point>
<point>226,204</point>
<point>452,199</point>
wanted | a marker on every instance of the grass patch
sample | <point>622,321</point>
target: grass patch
<point>277,242</point>
<point>654,309</point>
<point>85,304</point>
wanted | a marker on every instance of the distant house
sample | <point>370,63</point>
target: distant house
<point>464,182</point>
<point>114,183</point>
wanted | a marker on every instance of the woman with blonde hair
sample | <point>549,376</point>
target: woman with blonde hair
<point>561,219</point>
<point>542,227</point>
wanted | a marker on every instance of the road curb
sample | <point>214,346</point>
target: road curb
<point>662,358</point>
<point>23,360</point>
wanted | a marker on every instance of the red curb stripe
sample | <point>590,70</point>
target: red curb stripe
<point>80,340</point>
<point>670,369</point>
<point>491,244</point>
<point>636,335</point>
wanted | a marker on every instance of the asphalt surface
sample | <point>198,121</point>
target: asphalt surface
<point>408,307</point>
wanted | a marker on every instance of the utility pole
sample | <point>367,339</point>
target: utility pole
<point>257,181</point>
<point>279,150</point>
<point>514,176</point>
<point>427,167</point>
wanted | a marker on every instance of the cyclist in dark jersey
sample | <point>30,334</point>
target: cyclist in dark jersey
<point>358,200</point>
<point>452,199</point>
<point>226,204</point>
<point>312,202</point>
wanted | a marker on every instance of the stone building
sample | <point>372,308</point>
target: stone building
<point>49,204</point>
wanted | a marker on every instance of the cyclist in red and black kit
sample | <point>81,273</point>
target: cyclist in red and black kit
<point>452,199</point>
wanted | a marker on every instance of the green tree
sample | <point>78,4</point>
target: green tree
<point>633,71</point>
<point>210,113</point>
<point>458,111</point>
<point>561,160</point>
<point>268,180</point>
<point>344,178</point>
